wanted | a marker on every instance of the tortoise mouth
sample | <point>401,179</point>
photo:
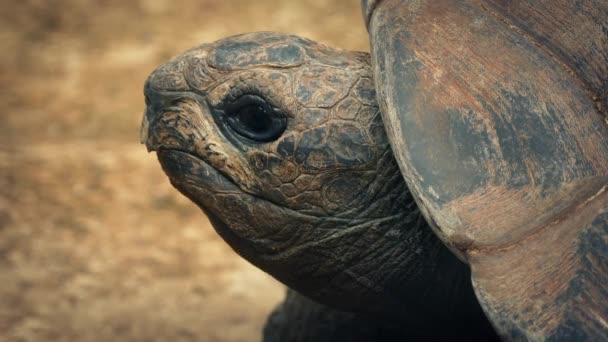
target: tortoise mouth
<point>186,170</point>
<point>203,184</point>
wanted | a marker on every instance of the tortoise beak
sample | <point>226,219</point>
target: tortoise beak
<point>147,125</point>
<point>143,133</point>
<point>155,105</point>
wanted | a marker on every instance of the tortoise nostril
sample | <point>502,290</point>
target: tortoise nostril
<point>149,117</point>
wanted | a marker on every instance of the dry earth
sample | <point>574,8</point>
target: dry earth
<point>95,245</point>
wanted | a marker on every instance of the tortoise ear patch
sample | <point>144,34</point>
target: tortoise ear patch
<point>250,50</point>
<point>344,192</point>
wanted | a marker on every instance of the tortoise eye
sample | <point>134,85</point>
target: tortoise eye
<point>252,117</point>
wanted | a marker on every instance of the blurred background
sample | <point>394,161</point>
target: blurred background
<point>95,245</point>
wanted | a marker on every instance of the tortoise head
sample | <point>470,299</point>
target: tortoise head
<point>280,141</point>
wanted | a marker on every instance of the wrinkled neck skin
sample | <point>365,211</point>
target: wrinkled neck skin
<point>377,257</point>
<point>323,207</point>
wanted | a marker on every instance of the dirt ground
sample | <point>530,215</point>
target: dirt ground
<point>95,245</point>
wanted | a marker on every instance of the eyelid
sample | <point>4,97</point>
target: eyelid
<point>231,116</point>
<point>245,100</point>
<point>231,106</point>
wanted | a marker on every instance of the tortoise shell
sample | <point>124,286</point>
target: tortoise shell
<point>497,114</point>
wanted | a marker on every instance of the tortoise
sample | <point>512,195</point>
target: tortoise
<point>280,141</point>
<point>471,145</point>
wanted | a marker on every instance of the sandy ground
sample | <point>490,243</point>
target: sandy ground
<point>95,245</point>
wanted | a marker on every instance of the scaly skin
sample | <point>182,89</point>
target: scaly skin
<point>280,141</point>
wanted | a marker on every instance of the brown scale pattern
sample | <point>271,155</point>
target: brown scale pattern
<point>330,101</point>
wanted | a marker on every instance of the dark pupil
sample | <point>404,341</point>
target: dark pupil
<point>255,118</point>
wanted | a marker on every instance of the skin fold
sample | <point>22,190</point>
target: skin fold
<point>279,140</point>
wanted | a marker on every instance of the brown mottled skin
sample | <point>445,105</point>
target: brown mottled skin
<point>280,141</point>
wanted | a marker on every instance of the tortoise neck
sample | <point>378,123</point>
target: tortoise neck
<point>387,258</point>
<point>413,277</point>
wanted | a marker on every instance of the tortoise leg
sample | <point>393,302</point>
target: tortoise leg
<point>299,319</point>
